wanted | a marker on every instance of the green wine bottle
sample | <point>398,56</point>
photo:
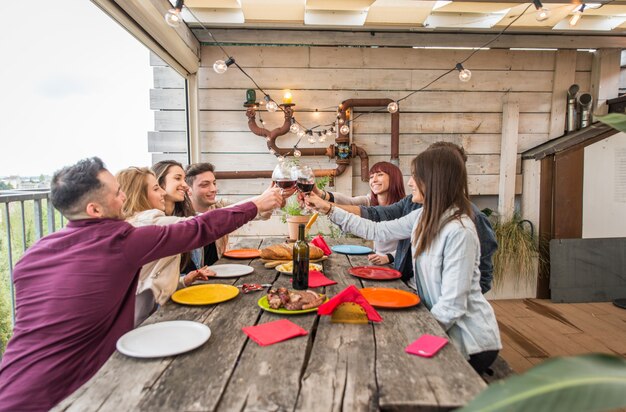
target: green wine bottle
<point>301,261</point>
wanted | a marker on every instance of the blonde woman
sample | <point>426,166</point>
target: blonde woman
<point>145,205</point>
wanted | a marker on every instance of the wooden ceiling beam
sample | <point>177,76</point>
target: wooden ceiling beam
<point>613,3</point>
<point>148,15</point>
<point>409,39</point>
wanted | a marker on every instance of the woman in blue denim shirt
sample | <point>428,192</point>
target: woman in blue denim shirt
<point>445,251</point>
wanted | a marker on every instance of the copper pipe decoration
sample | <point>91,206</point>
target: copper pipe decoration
<point>342,151</point>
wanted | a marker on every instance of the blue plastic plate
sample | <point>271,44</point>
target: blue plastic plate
<point>352,249</point>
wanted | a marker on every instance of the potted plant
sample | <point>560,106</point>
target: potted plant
<point>294,214</point>
<point>517,255</point>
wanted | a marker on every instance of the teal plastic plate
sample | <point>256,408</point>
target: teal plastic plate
<point>352,249</point>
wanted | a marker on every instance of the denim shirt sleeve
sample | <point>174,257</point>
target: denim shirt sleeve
<point>380,231</point>
<point>488,246</point>
<point>382,213</point>
<point>459,255</point>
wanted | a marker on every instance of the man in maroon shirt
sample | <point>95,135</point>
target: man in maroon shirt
<point>75,289</point>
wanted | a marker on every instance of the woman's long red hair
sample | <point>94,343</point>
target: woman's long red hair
<point>395,192</point>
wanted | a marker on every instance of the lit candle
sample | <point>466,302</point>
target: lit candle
<point>287,97</point>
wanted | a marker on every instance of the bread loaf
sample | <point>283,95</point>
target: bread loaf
<point>277,252</point>
<point>285,252</point>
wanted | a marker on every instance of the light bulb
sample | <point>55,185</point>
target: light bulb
<point>330,133</point>
<point>271,106</point>
<point>322,137</point>
<point>311,139</point>
<point>577,15</point>
<point>301,133</point>
<point>272,151</point>
<point>280,158</point>
<point>172,17</point>
<point>220,67</point>
<point>297,153</point>
<point>341,121</point>
<point>294,128</point>
<point>542,14</point>
<point>392,107</point>
<point>465,75</point>
<point>345,129</point>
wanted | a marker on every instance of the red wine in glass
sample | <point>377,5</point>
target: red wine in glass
<point>285,184</point>
<point>305,186</point>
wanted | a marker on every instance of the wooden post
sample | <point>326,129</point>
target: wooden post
<point>605,72</point>
<point>508,159</point>
<point>193,132</point>
<point>564,77</point>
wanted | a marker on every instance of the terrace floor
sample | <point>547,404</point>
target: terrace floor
<point>534,330</point>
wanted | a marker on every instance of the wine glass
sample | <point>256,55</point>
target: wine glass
<point>284,176</point>
<point>305,181</point>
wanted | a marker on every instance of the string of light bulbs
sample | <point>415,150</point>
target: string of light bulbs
<point>579,9</point>
<point>174,19</point>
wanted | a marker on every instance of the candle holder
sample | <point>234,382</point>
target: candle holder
<point>250,99</point>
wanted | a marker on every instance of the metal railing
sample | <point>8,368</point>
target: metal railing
<point>13,204</point>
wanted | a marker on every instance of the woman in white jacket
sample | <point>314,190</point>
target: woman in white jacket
<point>446,251</point>
<point>145,205</point>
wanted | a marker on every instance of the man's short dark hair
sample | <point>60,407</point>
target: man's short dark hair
<point>195,169</point>
<point>450,145</point>
<point>72,185</point>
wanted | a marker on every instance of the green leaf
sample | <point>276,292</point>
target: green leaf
<point>594,382</point>
<point>615,120</point>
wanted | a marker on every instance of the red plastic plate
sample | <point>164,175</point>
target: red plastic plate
<point>375,273</point>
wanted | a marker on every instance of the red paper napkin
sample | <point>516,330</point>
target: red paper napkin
<point>321,243</point>
<point>317,279</point>
<point>273,332</point>
<point>349,294</point>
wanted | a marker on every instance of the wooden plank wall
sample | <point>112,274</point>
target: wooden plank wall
<point>320,78</point>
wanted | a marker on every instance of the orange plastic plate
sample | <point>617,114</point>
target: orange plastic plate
<point>243,253</point>
<point>390,298</point>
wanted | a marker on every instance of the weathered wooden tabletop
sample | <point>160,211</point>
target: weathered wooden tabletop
<point>335,367</point>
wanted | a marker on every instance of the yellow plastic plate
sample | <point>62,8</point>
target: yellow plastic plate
<point>205,294</point>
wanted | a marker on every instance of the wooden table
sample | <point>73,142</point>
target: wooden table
<point>335,367</point>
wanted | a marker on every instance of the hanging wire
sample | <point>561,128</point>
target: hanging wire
<point>498,36</point>
<point>451,70</point>
<point>208,31</point>
<point>348,122</point>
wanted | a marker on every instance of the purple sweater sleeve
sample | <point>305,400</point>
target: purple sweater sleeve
<point>149,243</point>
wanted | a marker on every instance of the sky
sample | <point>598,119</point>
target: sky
<point>75,84</point>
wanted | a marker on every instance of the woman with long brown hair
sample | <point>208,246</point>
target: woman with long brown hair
<point>171,177</point>
<point>145,205</point>
<point>386,188</point>
<point>446,251</point>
